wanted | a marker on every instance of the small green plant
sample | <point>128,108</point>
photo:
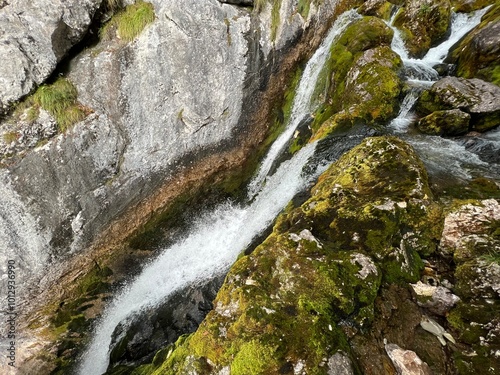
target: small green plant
<point>129,22</point>
<point>10,137</point>
<point>59,99</point>
<point>424,10</point>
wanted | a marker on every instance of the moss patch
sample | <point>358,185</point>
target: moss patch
<point>60,100</point>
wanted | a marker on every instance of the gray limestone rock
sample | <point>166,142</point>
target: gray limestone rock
<point>34,37</point>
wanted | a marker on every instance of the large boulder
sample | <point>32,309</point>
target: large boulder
<point>450,122</point>
<point>423,23</point>
<point>480,99</point>
<point>360,81</point>
<point>34,37</point>
<point>471,236</point>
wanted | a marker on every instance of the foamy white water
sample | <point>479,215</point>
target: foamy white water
<point>421,70</point>
<point>215,241</point>
<point>302,105</point>
<point>210,248</point>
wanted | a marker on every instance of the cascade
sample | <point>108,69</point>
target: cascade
<point>217,238</point>
<point>454,157</point>
<point>302,106</point>
<point>420,72</point>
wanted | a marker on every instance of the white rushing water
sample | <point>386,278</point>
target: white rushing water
<point>216,239</point>
<point>209,249</point>
<point>446,156</point>
<point>302,105</point>
<point>420,72</point>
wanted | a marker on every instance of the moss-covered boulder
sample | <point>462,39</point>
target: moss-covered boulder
<point>360,82</point>
<point>423,23</point>
<point>451,122</point>
<point>478,54</point>
<point>291,305</point>
<point>472,236</point>
<point>476,97</point>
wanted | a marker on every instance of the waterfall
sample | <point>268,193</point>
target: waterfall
<point>420,72</point>
<point>216,239</point>
<point>210,248</point>
<point>448,157</point>
<point>302,105</point>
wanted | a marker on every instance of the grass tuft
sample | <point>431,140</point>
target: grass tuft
<point>60,100</point>
<point>129,22</point>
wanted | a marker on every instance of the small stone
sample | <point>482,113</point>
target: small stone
<point>406,362</point>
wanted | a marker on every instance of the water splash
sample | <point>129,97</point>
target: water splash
<point>302,106</point>
<point>212,245</point>
<point>421,71</point>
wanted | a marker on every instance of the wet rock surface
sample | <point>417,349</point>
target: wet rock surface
<point>423,24</point>
<point>480,99</point>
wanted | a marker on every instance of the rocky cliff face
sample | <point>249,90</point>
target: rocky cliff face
<point>162,112</point>
<point>101,152</point>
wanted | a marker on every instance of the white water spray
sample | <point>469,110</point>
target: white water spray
<point>215,241</point>
<point>302,105</point>
<point>212,245</point>
<point>420,72</point>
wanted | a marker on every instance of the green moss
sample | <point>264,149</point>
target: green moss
<point>129,22</point>
<point>472,63</point>
<point>286,301</point>
<point>371,97</point>
<point>254,357</point>
<point>10,137</point>
<point>60,100</point>
<point>426,27</point>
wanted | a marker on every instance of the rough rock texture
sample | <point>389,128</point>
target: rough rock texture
<point>35,36</point>
<point>451,122</point>
<point>164,121</point>
<point>467,6</point>
<point>423,23</point>
<point>436,299</point>
<point>406,362</point>
<point>476,97</point>
<point>478,55</point>
<point>361,83</point>
<point>311,286</point>
<point>471,235</point>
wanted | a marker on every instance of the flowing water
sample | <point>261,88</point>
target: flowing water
<point>215,240</point>
<point>302,106</point>
<point>456,157</point>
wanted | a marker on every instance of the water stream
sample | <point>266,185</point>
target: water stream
<point>441,155</point>
<point>216,239</point>
<point>302,106</point>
